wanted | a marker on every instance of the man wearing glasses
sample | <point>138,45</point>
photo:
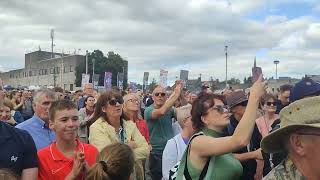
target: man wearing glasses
<point>237,102</point>
<point>38,125</point>
<point>159,119</point>
<point>299,136</point>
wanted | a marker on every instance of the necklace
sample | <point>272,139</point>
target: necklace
<point>269,129</point>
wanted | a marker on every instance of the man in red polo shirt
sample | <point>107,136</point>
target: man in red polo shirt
<point>66,158</point>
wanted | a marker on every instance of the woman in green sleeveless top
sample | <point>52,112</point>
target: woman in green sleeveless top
<point>211,116</point>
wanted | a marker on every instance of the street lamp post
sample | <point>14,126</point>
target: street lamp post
<point>93,61</point>
<point>226,50</point>
<point>276,62</point>
<point>86,61</point>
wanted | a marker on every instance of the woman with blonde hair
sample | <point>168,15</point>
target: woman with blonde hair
<point>132,112</point>
<point>115,162</point>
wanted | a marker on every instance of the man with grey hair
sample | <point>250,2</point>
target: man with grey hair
<point>37,126</point>
<point>299,137</point>
<point>88,90</point>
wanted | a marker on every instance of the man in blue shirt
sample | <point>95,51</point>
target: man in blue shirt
<point>37,126</point>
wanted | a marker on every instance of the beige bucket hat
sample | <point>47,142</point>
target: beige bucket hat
<point>304,113</point>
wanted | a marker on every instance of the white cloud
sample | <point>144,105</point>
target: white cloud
<point>165,34</point>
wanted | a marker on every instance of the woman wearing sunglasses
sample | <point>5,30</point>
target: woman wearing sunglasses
<point>211,116</point>
<point>110,127</point>
<point>265,124</point>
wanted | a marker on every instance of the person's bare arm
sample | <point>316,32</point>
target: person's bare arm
<point>29,174</point>
<point>249,155</point>
<point>156,113</point>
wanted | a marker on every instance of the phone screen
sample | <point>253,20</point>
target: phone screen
<point>256,72</point>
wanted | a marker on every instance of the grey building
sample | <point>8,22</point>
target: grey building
<point>44,71</point>
<point>184,75</point>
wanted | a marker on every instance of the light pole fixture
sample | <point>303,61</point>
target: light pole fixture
<point>276,62</point>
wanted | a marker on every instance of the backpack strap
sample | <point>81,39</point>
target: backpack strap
<point>205,168</point>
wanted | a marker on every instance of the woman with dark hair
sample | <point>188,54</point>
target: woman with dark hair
<point>115,162</point>
<point>209,117</point>
<point>85,115</point>
<point>109,126</point>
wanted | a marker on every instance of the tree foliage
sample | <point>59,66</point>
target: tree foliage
<point>111,63</point>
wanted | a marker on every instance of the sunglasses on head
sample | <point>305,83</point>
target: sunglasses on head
<point>133,100</point>
<point>221,108</point>
<point>269,103</point>
<point>160,94</point>
<point>114,102</point>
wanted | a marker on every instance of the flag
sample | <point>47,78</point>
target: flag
<point>107,80</point>
<point>85,79</point>
<point>163,77</point>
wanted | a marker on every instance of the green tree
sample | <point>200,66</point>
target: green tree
<point>152,85</point>
<point>112,63</point>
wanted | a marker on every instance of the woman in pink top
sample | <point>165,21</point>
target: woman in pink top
<point>269,116</point>
<point>265,124</point>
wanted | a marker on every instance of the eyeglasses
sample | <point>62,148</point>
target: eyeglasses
<point>160,94</point>
<point>133,100</point>
<point>221,108</point>
<point>273,103</point>
<point>114,102</point>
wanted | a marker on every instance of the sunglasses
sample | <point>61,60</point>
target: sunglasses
<point>160,94</point>
<point>114,102</point>
<point>269,103</point>
<point>244,103</point>
<point>221,108</point>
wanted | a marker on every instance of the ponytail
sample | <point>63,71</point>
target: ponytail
<point>115,162</point>
<point>96,172</point>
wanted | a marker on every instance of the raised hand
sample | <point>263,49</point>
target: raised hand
<point>259,88</point>
<point>79,165</point>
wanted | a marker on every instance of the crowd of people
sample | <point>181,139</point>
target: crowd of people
<point>162,134</point>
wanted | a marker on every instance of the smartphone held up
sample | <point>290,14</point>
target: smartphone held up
<point>256,72</point>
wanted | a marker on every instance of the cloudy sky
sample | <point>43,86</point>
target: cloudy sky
<point>170,34</point>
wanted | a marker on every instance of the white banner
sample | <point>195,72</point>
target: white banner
<point>85,79</point>
<point>163,78</point>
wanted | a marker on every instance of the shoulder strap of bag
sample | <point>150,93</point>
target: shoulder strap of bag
<point>204,170</point>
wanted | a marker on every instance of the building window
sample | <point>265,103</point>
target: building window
<point>65,86</point>
<point>57,70</point>
<point>51,70</point>
<point>71,87</point>
<point>71,69</point>
<point>45,71</point>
